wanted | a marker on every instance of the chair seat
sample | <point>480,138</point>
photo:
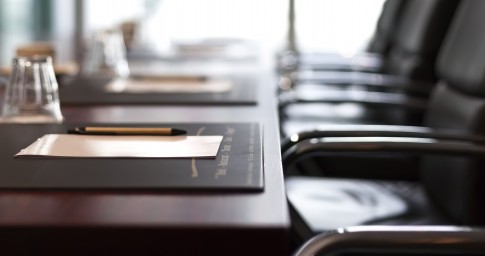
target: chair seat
<point>325,204</point>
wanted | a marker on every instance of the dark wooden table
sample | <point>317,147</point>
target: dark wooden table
<point>158,223</point>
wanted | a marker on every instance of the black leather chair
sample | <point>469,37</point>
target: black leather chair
<point>308,104</point>
<point>391,240</point>
<point>452,183</point>
<point>369,60</point>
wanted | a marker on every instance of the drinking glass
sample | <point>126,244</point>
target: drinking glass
<point>31,96</point>
<point>106,55</point>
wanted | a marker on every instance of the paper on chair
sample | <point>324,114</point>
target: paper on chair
<point>154,85</point>
<point>87,146</point>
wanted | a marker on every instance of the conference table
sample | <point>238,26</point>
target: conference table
<point>151,222</point>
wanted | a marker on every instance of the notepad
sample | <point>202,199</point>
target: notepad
<point>100,146</point>
<point>157,85</point>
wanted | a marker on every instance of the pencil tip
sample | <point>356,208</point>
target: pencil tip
<point>178,132</point>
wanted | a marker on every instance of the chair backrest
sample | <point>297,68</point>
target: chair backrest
<point>386,26</point>
<point>457,185</point>
<point>420,34</point>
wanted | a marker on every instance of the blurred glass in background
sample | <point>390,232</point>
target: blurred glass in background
<point>106,55</point>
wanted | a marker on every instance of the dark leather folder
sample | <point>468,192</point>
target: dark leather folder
<point>237,166</point>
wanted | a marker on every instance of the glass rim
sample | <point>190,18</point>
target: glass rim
<point>33,58</point>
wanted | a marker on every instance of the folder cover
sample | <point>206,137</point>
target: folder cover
<point>236,90</point>
<point>237,166</point>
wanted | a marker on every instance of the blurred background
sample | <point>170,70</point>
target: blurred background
<point>344,26</point>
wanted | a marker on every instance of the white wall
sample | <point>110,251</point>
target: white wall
<point>102,14</point>
<point>64,22</point>
<point>343,25</point>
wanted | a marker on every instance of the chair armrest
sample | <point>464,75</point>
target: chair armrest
<point>381,144</point>
<point>343,66</point>
<point>423,240</point>
<point>312,76</point>
<point>362,97</point>
<point>377,80</point>
<point>379,131</point>
<point>292,61</point>
<point>362,58</point>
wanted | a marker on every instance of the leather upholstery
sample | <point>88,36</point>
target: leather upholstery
<point>462,65</point>
<point>462,62</point>
<point>422,29</point>
<point>386,27</point>
<point>326,204</point>
<point>458,192</point>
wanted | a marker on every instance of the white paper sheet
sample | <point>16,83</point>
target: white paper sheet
<point>154,85</point>
<point>94,146</point>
